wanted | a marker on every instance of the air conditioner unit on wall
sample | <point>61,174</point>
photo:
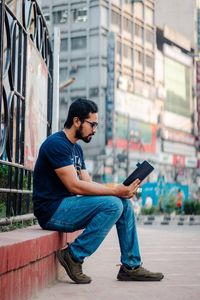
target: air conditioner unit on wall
<point>74,69</point>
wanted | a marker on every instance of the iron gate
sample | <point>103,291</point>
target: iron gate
<point>17,26</point>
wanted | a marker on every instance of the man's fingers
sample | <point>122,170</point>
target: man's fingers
<point>135,183</point>
<point>134,186</point>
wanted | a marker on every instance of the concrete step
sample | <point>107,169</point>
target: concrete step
<point>28,262</point>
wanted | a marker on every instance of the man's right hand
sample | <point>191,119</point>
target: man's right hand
<point>127,192</point>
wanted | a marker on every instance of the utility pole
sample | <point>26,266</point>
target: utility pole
<point>55,120</point>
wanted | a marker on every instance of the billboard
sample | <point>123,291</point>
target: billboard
<point>36,104</point>
<point>198,96</point>
<point>178,87</point>
<point>141,135</point>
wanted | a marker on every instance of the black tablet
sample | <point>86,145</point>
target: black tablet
<point>141,172</point>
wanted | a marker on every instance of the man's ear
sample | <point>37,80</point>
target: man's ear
<point>76,122</point>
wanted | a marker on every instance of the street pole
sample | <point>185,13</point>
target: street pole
<point>55,120</point>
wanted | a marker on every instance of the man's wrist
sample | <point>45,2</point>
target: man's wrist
<point>114,190</point>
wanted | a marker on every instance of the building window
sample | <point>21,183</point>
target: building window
<point>64,44</point>
<point>119,49</point>
<point>60,17</point>
<point>149,15</point>
<point>79,14</point>
<point>127,52</point>
<point>127,25</point>
<point>139,31</point>
<point>94,92</point>
<point>116,19</point>
<point>63,74</point>
<point>150,36</point>
<point>149,61</point>
<point>138,57</point>
<point>78,42</point>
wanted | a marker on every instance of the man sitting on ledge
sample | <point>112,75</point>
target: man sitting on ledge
<point>66,199</point>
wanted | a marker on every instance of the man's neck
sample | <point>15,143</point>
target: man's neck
<point>70,134</point>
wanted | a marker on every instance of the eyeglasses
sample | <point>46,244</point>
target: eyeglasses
<point>93,125</point>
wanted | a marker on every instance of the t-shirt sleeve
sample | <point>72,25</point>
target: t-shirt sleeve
<point>59,154</point>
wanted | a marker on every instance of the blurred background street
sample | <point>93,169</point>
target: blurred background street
<point>139,61</point>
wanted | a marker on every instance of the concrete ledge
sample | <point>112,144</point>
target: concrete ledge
<point>28,260</point>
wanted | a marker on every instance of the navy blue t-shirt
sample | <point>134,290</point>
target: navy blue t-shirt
<point>48,190</point>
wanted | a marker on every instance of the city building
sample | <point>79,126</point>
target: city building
<point>183,17</point>
<point>109,47</point>
<point>174,82</point>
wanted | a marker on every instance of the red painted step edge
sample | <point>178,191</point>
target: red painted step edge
<point>27,260</point>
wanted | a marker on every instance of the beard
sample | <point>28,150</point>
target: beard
<point>79,135</point>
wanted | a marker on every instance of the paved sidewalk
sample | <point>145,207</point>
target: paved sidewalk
<point>174,250</point>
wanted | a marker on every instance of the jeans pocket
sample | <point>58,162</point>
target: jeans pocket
<point>60,225</point>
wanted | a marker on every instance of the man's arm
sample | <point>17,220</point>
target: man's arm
<point>76,186</point>
<point>85,176</point>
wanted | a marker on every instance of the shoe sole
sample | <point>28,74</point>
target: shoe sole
<point>138,279</point>
<point>67,269</point>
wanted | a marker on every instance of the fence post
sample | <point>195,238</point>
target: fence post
<point>2,12</point>
<point>55,114</point>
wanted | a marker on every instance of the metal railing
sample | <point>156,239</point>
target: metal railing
<point>17,27</point>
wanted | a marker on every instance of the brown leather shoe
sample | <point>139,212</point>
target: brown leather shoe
<point>73,269</point>
<point>139,274</point>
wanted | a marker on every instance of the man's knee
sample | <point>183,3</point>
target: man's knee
<point>115,204</point>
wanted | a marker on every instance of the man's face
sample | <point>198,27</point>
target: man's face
<point>87,128</point>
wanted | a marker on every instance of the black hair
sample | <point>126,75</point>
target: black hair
<point>80,108</point>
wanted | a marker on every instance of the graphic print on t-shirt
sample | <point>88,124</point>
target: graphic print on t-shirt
<point>77,165</point>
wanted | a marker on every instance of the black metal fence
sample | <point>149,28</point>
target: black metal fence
<point>17,26</point>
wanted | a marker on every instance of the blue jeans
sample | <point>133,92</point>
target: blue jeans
<point>96,215</point>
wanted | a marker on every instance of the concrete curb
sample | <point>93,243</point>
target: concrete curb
<point>168,220</point>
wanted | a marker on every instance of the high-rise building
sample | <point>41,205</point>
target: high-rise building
<point>174,78</point>
<point>109,47</point>
<point>182,18</point>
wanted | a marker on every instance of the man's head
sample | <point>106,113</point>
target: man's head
<point>83,117</point>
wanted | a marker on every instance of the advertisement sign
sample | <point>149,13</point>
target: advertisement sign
<point>178,148</point>
<point>135,106</point>
<point>168,190</point>
<point>165,158</point>
<point>141,135</point>
<point>175,121</point>
<point>178,136</point>
<point>178,160</point>
<point>36,105</point>
<point>198,95</point>
<point>178,87</point>
<point>110,91</point>
<point>191,162</point>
